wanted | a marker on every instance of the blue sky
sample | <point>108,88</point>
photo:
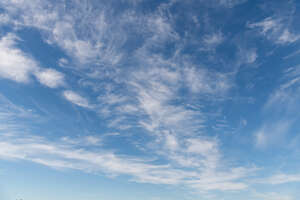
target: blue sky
<point>152,100</point>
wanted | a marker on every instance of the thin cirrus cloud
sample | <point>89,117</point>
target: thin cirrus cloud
<point>231,3</point>
<point>76,99</point>
<point>275,30</point>
<point>273,196</point>
<point>271,134</point>
<point>281,178</point>
<point>175,91</point>
<point>61,30</point>
<point>67,155</point>
<point>83,141</point>
<point>283,101</point>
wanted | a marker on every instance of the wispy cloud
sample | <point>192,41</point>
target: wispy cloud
<point>275,29</point>
<point>76,99</point>
<point>231,3</point>
<point>89,140</point>
<point>61,29</point>
<point>250,56</point>
<point>273,196</point>
<point>13,117</point>
<point>280,108</point>
<point>288,37</point>
<point>139,74</point>
<point>205,82</point>
<point>272,133</point>
<point>67,155</point>
<point>281,178</point>
<point>212,40</point>
<point>20,67</point>
<point>285,94</point>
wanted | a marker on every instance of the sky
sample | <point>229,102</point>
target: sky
<point>149,100</point>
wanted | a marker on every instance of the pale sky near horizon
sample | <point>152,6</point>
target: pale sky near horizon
<point>149,100</point>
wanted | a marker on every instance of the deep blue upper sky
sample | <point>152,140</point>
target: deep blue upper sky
<point>151,100</point>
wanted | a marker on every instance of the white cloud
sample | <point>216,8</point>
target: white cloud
<point>202,146</point>
<point>272,133</point>
<point>285,97</point>
<point>251,56</point>
<point>281,178</point>
<point>297,52</point>
<point>223,186</point>
<point>4,19</point>
<point>128,109</point>
<point>161,28</point>
<point>213,39</point>
<point>50,78</point>
<point>171,141</point>
<point>275,29</point>
<point>281,106</point>
<point>82,50</point>
<point>268,24</point>
<point>204,82</point>
<point>89,140</point>
<point>112,98</point>
<point>15,64</point>
<point>18,66</point>
<point>92,140</point>
<point>12,116</point>
<point>59,155</point>
<point>149,100</point>
<point>222,181</point>
<point>153,96</point>
<point>261,138</point>
<point>246,56</point>
<point>154,89</point>
<point>231,3</point>
<point>272,196</point>
<point>174,126</point>
<point>61,28</point>
<point>75,98</point>
<point>288,37</point>
<point>62,62</point>
<point>65,154</point>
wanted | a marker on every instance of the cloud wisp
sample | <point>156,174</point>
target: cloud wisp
<point>76,99</point>
<point>20,67</point>
<point>64,154</point>
<point>275,29</point>
<point>177,84</point>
